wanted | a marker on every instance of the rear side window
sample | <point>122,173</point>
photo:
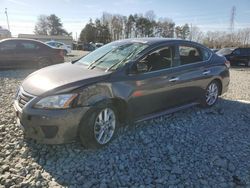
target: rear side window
<point>28,46</point>
<point>245,51</point>
<point>58,45</point>
<point>193,54</point>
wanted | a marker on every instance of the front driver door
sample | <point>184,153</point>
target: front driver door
<point>152,90</point>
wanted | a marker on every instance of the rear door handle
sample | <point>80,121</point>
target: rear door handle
<point>174,79</point>
<point>206,72</point>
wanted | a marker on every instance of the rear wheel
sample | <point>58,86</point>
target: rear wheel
<point>100,127</point>
<point>211,94</point>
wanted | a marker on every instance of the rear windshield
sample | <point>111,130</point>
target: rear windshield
<point>225,51</point>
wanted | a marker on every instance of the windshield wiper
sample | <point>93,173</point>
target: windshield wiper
<point>116,64</point>
<point>97,62</point>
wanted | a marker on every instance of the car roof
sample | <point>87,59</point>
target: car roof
<point>154,40</point>
<point>20,39</point>
<point>54,42</point>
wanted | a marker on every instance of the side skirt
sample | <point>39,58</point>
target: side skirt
<point>164,112</point>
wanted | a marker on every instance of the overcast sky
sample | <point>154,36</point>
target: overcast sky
<point>208,14</point>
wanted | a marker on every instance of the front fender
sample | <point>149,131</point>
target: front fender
<point>93,94</point>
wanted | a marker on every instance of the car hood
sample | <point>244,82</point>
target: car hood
<point>59,77</point>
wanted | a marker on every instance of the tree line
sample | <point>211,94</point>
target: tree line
<point>110,27</point>
<point>50,25</point>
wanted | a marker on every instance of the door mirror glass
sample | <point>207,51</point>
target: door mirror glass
<point>141,67</point>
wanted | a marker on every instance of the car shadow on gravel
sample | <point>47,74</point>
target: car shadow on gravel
<point>194,147</point>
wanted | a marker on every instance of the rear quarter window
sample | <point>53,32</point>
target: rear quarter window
<point>206,54</point>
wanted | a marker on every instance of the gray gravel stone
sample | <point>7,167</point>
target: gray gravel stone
<point>176,170</point>
<point>192,148</point>
<point>221,163</point>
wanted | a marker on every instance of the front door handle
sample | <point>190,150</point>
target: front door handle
<point>206,72</point>
<point>174,79</point>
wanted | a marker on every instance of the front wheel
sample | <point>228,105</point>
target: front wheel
<point>99,128</point>
<point>211,94</point>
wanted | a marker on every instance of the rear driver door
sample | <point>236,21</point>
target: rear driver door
<point>193,73</point>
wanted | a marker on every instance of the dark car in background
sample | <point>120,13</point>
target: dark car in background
<point>236,56</point>
<point>123,81</point>
<point>88,47</point>
<point>28,53</point>
<point>214,50</point>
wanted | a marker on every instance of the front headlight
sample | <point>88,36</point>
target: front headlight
<point>56,101</point>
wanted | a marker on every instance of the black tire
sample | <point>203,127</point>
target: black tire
<point>204,101</point>
<point>86,128</point>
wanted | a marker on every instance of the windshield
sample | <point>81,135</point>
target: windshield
<point>112,56</point>
<point>225,51</point>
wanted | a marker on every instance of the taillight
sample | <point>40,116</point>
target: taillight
<point>227,63</point>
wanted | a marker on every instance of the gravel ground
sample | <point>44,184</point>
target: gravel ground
<point>192,148</point>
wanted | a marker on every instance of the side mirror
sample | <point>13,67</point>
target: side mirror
<point>141,67</point>
<point>138,67</point>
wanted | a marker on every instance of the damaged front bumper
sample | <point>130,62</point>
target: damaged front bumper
<point>50,126</point>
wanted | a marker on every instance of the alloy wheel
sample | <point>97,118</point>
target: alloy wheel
<point>212,93</point>
<point>104,126</point>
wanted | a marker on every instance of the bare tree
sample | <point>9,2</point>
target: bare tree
<point>150,15</point>
<point>196,34</point>
<point>138,25</point>
<point>117,26</point>
<point>165,28</point>
<point>244,37</point>
<point>42,25</point>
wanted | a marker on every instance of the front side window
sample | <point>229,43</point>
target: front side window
<point>236,52</point>
<point>159,59</point>
<point>112,56</point>
<point>225,51</point>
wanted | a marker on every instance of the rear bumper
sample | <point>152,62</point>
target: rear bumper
<point>50,126</point>
<point>225,84</point>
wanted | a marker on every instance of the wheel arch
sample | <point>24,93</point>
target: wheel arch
<point>220,84</point>
<point>119,104</point>
<point>122,110</point>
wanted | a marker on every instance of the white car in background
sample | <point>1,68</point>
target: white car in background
<point>56,44</point>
